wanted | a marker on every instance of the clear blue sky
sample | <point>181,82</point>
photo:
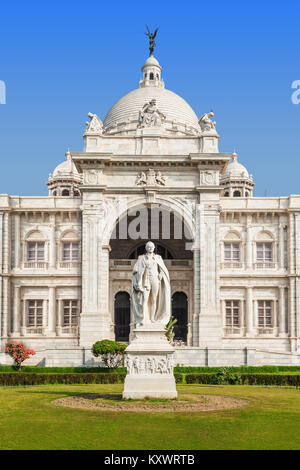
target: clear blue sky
<point>61,60</point>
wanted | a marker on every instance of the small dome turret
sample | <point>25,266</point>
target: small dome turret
<point>65,179</point>
<point>236,181</point>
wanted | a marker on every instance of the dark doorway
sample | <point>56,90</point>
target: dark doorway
<point>122,316</point>
<point>180,312</point>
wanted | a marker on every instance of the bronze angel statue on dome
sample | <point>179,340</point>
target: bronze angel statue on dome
<point>151,37</point>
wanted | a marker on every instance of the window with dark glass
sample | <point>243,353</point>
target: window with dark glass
<point>35,251</point>
<point>70,312</point>
<point>34,313</point>
<point>231,251</point>
<point>70,251</point>
<point>264,252</point>
<point>232,312</point>
<point>265,314</point>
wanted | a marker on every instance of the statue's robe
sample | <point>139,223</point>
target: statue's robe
<point>163,303</point>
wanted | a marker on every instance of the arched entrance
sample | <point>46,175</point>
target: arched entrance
<point>122,316</point>
<point>180,312</point>
<point>172,239</point>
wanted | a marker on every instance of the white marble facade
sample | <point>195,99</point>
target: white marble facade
<point>61,267</point>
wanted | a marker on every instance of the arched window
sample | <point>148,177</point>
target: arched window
<point>246,194</point>
<point>226,194</point>
<point>237,194</point>
<point>65,192</point>
<point>180,312</point>
<point>54,193</point>
<point>159,250</point>
<point>151,76</point>
<point>122,316</point>
<point>35,253</point>
<point>76,193</point>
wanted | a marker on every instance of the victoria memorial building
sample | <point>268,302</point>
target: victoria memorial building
<point>151,170</point>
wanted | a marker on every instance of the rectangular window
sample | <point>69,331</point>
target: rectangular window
<point>231,251</point>
<point>70,251</point>
<point>34,313</point>
<point>35,251</point>
<point>265,319</point>
<point>232,312</point>
<point>264,252</point>
<point>70,311</point>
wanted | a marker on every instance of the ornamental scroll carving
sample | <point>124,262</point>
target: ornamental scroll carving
<point>209,178</point>
<point>148,365</point>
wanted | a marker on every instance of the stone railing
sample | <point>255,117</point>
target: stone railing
<point>69,264</point>
<point>265,265</point>
<point>36,265</point>
<point>231,265</point>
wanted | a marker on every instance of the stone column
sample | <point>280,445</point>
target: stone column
<point>23,322</point>
<point>16,311</point>
<point>249,312</point>
<point>281,246</point>
<point>210,321</point>
<point>52,248</point>
<point>91,320</point>
<point>195,319</point>
<point>51,312</point>
<point>17,240</point>
<point>281,311</point>
<point>45,315</point>
<point>248,260</point>
<point>59,318</point>
<point>6,306</point>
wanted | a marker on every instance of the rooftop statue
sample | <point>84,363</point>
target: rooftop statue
<point>150,116</point>
<point>151,37</point>
<point>206,123</point>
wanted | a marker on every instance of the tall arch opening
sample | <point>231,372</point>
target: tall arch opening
<point>173,242</point>
<point>122,316</point>
<point>180,313</point>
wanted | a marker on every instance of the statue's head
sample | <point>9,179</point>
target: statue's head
<point>150,247</point>
<point>153,101</point>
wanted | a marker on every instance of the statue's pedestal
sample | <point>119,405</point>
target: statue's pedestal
<point>149,359</point>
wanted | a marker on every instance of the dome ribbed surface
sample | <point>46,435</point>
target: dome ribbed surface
<point>66,168</point>
<point>171,105</point>
<point>235,170</point>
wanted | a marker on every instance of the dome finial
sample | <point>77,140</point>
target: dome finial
<point>151,37</point>
<point>68,154</point>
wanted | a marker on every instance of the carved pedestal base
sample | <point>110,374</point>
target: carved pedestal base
<point>149,360</point>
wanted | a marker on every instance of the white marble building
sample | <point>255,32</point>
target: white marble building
<point>65,263</point>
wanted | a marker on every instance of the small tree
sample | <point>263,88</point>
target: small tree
<point>169,329</point>
<point>19,352</point>
<point>111,352</point>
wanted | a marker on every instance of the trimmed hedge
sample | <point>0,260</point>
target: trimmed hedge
<point>66,370</point>
<point>249,379</point>
<point>20,378</point>
<point>240,369</point>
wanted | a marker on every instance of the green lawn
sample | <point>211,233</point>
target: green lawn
<point>28,420</point>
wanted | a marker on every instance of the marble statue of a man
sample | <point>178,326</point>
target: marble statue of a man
<point>150,292</point>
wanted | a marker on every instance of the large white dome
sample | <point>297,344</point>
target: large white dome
<point>171,105</point>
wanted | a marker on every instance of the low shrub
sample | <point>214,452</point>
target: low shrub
<point>223,376</point>
<point>111,352</point>
<point>178,378</point>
